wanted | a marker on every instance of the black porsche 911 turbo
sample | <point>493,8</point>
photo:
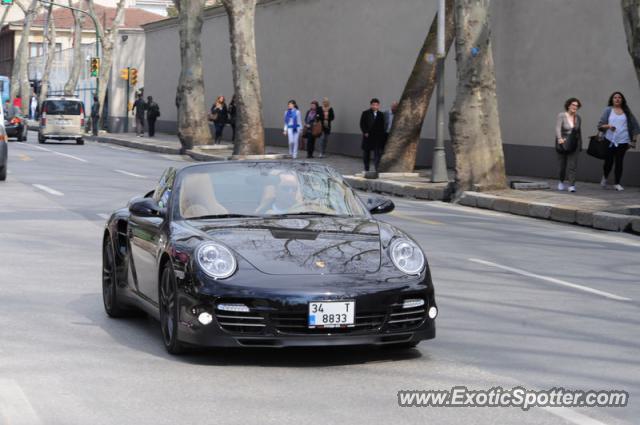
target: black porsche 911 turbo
<point>269,254</point>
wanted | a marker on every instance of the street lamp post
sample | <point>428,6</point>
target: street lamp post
<point>439,163</point>
<point>95,25</point>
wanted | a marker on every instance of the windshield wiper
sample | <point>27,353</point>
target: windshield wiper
<point>212,216</point>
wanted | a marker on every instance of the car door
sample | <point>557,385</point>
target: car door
<point>146,240</point>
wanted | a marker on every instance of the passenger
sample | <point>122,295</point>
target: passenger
<point>198,198</point>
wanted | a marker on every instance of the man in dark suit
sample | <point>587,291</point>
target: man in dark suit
<point>373,134</point>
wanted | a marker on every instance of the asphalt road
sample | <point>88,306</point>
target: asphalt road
<point>522,302</point>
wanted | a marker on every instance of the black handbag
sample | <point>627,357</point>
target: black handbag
<point>571,142</point>
<point>598,147</point>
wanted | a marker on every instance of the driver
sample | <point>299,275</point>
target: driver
<point>284,195</point>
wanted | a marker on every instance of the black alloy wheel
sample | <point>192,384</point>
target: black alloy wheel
<point>169,311</point>
<point>112,305</point>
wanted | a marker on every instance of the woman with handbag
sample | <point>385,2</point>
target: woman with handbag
<point>292,126</point>
<point>620,129</point>
<point>312,126</point>
<point>327,116</point>
<point>568,142</point>
<point>219,116</point>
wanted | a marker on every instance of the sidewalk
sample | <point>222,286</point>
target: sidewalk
<point>590,206</point>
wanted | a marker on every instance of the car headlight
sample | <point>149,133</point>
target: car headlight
<point>216,260</point>
<point>407,256</point>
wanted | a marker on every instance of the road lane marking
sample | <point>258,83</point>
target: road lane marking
<point>15,408</point>
<point>604,238</point>
<point>572,416</point>
<point>551,280</point>
<point>130,174</point>
<point>24,157</point>
<point>416,219</point>
<point>58,153</point>
<point>48,189</point>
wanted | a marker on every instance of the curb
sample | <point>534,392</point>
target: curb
<point>432,192</point>
<point>565,214</point>
<point>136,145</point>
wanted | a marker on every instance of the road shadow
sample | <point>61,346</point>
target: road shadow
<point>142,333</point>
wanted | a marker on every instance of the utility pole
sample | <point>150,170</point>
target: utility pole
<point>439,164</point>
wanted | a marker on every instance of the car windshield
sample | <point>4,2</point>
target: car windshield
<point>62,107</point>
<point>265,189</point>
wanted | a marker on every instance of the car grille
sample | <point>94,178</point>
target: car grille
<point>406,318</point>
<point>296,323</point>
<point>240,323</point>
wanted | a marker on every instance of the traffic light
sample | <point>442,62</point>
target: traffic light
<point>95,66</point>
<point>133,76</point>
<point>124,74</point>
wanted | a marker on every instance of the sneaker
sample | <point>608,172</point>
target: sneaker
<point>561,186</point>
<point>603,182</point>
<point>618,188</point>
<point>572,188</point>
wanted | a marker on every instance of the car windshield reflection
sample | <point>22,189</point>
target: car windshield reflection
<point>265,190</point>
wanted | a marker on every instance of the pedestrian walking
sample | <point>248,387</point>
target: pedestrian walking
<point>312,127</point>
<point>232,117</point>
<point>33,107</point>
<point>292,127</point>
<point>372,127</point>
<point>568,142</point>
<point>95,115</point>
<point>153,112</point>
<point>219,117</point>
<point>621,131</point>
<point>139,108</point>
<point>17,102</point>
<point>327,116</point>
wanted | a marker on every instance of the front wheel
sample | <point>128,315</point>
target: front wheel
<point>112,304</point>
<point>169,311</point>
<point>41,139</point>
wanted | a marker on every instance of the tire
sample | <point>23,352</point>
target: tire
<point>113,305</point>
<point>80,141</point>
<point>41,139</point>
<point>168,305</point>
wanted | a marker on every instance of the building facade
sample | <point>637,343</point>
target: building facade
<point>545,51</point>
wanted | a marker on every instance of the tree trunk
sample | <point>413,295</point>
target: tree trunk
<point>19,75</point>
<point>107,40</point>
<point>246,81</point>
<point>631,19</point>
<point>72,82</point>
<point>474,123</point>
<point>193,126</point>
<point>400,151</point>
<point>51,54</point>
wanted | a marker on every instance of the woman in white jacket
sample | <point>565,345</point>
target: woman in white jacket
<point>292,127</point>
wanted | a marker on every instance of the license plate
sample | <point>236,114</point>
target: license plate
<point>63,122</point>
<point>331,314</point>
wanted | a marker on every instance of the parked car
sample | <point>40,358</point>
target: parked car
<point>62,118</point>
<point>4,150</point>
<point>15,124</point>
<point>270,254</point>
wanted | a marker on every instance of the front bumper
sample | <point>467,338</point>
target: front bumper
<point>280,320</point>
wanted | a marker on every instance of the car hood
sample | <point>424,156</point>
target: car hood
<point>308,245</point>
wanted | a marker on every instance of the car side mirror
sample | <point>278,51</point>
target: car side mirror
<point>380,205</point>
<point>146,207</point>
